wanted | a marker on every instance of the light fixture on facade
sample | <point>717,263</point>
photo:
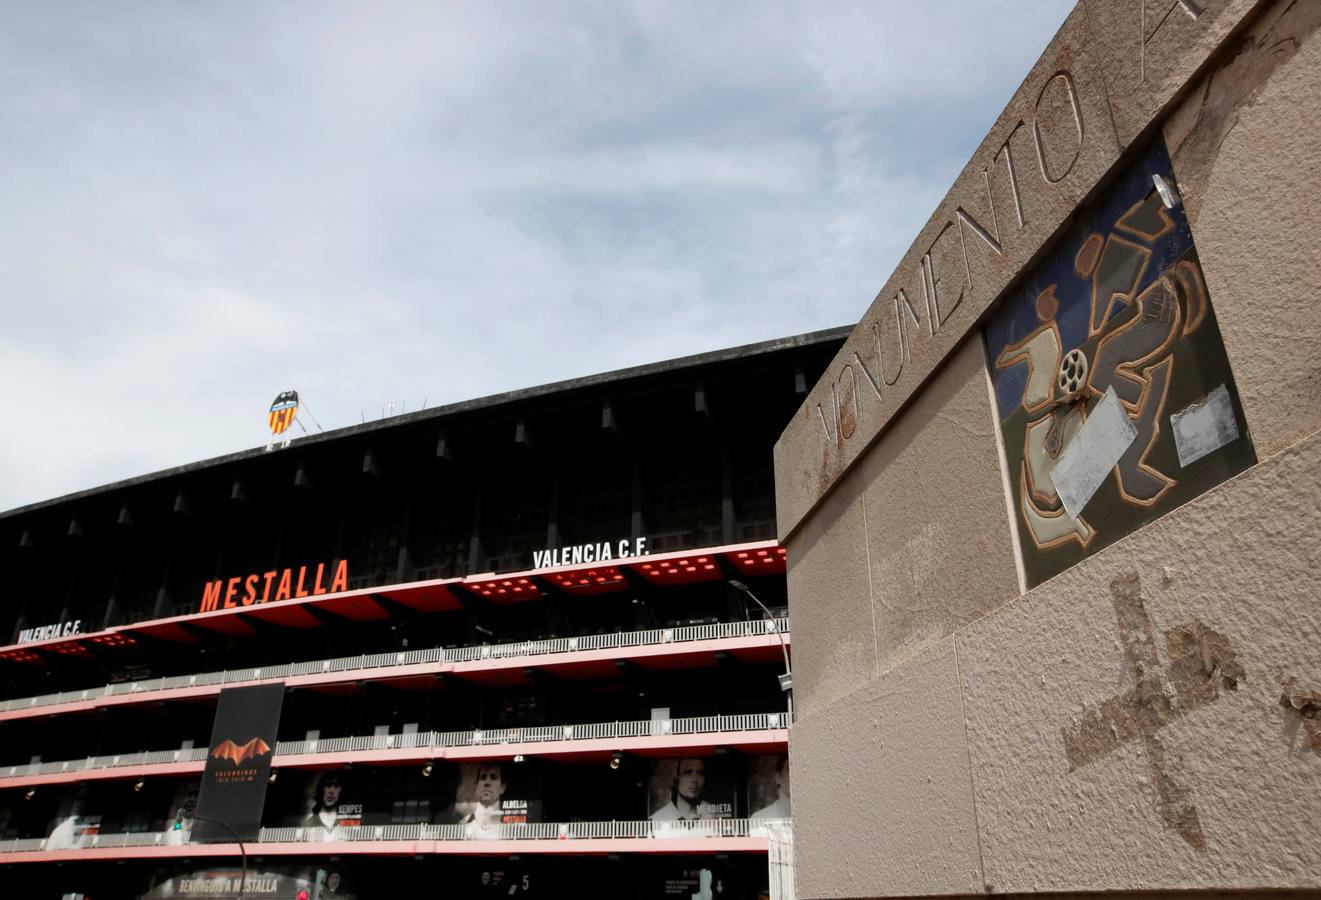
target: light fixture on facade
<point>787,678</point>
<point>138,785</point>
<point>427,769</point>
<point>616,759</point>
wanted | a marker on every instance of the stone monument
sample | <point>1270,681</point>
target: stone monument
<point>1051,513</point>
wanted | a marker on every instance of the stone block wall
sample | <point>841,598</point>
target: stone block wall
<point>975,712</point>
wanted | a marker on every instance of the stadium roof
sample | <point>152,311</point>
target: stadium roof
<point>480,404</point>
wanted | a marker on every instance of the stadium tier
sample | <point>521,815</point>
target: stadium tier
<point>535,644</point>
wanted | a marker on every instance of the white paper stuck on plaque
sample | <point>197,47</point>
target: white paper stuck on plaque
<point>1204,427</point>
<point>1093,453</point>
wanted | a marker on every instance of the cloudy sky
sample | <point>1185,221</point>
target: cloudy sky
<point>206,204</point>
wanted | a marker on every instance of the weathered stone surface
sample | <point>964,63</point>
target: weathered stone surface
<point>937,527</point>
<point>830,603</point>
<point>886,802</point>
<point>1149,49</point>
<point>1133,720</point>
<point>1150,719</point>
<point>1248,162</point>
<point>1046,151</point>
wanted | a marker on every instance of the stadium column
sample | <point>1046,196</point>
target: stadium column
<point>553,509</point>
<point>726,494</point>
<point>475,544</point>
<point>108,617</point>
<point>341,525</point>
<point>116,581</point>
<point>638,488</point>
<point>404,566</point>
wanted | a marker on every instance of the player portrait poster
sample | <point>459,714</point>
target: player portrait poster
<point>74,831</point>
<point>489,794</point>
<point>768,787</point>
<point>330,801</point>
<point>690,788</point>
<point>333,884</point>
<point>238,763</point>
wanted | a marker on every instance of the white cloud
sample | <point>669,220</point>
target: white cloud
<point>207,204</point>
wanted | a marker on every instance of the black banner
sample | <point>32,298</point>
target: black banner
<point>238,764</point>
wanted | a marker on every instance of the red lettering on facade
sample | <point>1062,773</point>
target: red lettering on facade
<point>249,590</point>
<point>210,596</point>
<point>266,594</point>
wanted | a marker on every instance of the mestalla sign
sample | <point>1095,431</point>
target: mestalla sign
<point>275,585</point>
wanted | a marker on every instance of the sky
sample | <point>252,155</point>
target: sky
<point>205,204</point>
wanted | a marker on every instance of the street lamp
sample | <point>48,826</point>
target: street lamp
<point>787,679</point>
<point>243,853</point>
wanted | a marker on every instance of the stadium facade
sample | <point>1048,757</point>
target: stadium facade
<point>529,645</point>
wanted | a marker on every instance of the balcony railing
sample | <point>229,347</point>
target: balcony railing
<point>529,831</point>
<point>430,739</point>
<point>378,661</point>
<point>143,758</point>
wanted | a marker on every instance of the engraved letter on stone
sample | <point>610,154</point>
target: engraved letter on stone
<point>1076,103</point>
<point>931,288</point>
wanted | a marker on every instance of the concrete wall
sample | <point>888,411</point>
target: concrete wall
<point>1150,719</point>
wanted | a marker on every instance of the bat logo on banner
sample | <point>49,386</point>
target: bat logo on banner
<point>236,753</point>
<point>283,410</point>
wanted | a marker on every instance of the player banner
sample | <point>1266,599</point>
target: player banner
<point>490,794</point>
<point>768,787</point>
<point>239,763</point>
<point>690,789</point>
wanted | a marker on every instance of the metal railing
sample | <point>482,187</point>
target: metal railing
<point>142,758</point>
<point>527,831</point>
<point>550,646</point>
<point>430,739</point>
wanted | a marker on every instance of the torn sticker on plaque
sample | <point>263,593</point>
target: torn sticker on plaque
<point>1204,427</point>
<point>1093,453</point>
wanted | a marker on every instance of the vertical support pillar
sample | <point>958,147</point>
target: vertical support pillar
<point>404,565</point>
<point>553,510</point>
<point>638,523</point>
<point>475,543</point>
<point>727,525</point>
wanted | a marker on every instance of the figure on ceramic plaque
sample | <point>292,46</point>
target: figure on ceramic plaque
<point>1114,393</point>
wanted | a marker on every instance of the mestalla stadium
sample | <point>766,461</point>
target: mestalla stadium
<point>524,645</point>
